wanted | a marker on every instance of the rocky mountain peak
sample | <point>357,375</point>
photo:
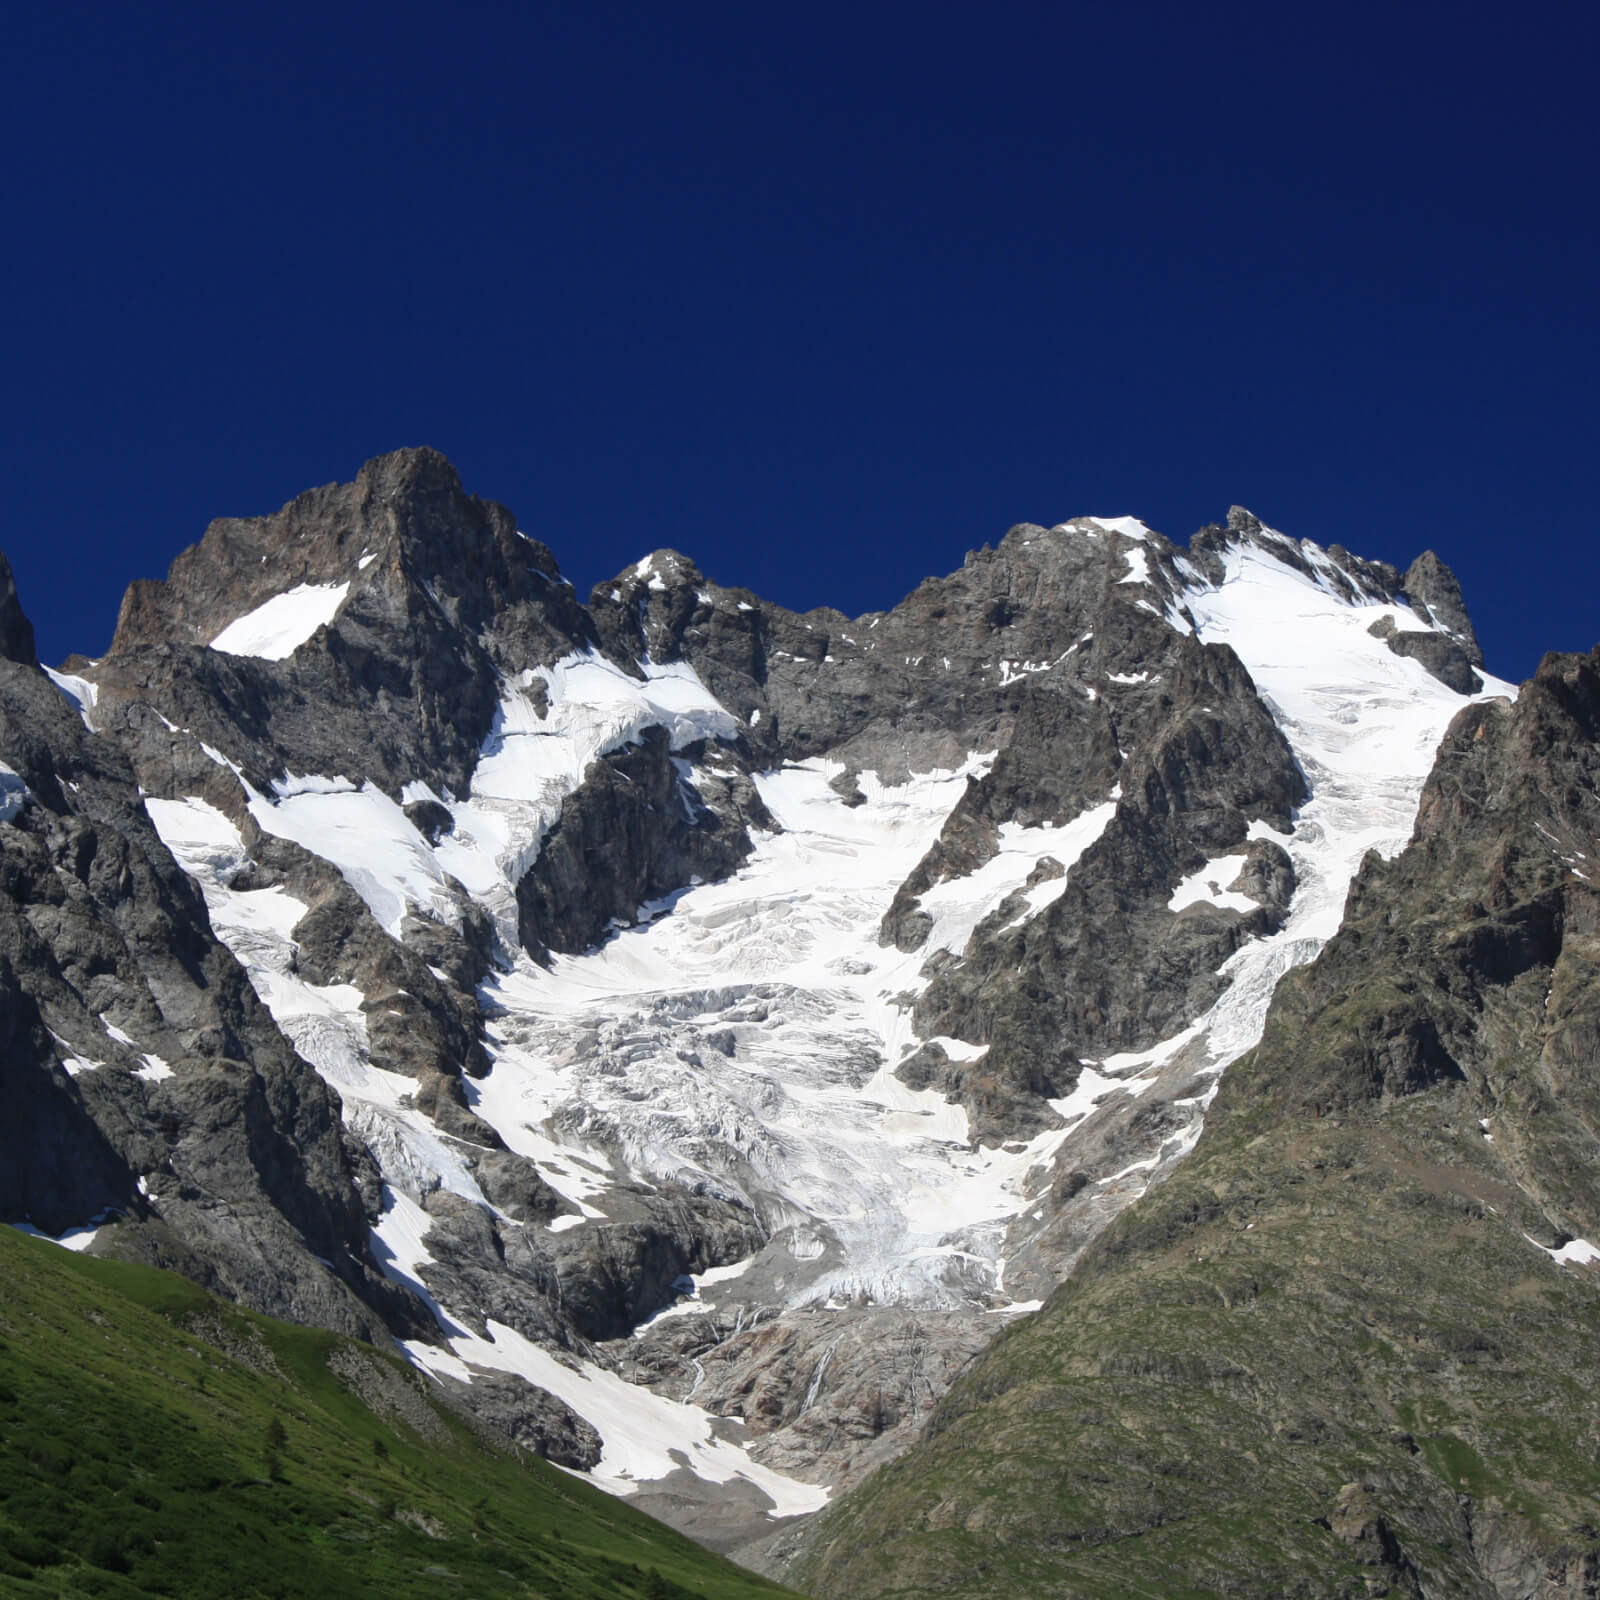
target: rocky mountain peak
<point>361,631</point>
<point>409,473</point>
<point>404,524</point>
<point>16,632</point>
<point>1432,588</point>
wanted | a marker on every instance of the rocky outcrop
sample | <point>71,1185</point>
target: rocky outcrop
<point>1107,965</point>
<point>847,1386</point>
<point>642,825</point>
<point>1436,595</point>
<point>530,1418</point>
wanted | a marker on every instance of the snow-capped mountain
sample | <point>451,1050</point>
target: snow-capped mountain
<point>734,1017</point>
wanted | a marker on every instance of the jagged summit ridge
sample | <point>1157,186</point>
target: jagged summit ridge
<point>857,971</point>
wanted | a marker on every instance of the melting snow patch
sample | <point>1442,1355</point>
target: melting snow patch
<point>644,1436</point>
<point>1011,671</point>
<point>72,1239</point>
<point>278,628</point>
<point>1208,886</point>
<point>1576,1253</point>
<point>372,842</point>
<point>79,691</point>
<point>13,793</point>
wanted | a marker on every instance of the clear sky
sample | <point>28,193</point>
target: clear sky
<point>822,296</point>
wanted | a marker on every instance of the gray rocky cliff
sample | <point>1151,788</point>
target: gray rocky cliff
<point>147,1078</point>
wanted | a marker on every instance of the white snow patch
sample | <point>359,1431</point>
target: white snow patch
<point>1208,886</point>
<point>1011,671</point>
<point>1138,560</point>
<point>1128,527</point>
<point>644,1436</point>
<point>372,842</point>
<point>291,784</point>
<point>72,1239</point>
<point>958,905</point>
<point>1575,1253</point>
<point>153,1070</point>
<point>277,628</point>
<point>79,691</point>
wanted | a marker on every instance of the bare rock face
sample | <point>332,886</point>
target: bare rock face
<point>531,1418</point>
<point>850,1386</point>
<point>1442,657</point>
<point>638,829</point>
<point>16,632</point>
<point>141,1067</point>
<point>1108,965</point>
<point>1433,590</point>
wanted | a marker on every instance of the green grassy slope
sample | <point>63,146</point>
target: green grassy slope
<point>156,1441</point>
<point>1322,1307</point>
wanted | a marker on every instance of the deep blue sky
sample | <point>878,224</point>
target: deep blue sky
<point>823,296</point>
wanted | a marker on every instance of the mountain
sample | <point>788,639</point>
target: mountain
<point>708,1030</point>
<point>1350,1346</point>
